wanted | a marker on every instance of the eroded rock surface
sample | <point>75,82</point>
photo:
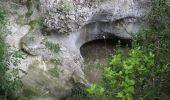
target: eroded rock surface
<point>67,25</point>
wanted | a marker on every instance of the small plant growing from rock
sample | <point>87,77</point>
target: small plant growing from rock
<point>95,90</point>
<point>30,6</point>
<point>52,46</point>
<point>54,71</point>
<point>36,23</point>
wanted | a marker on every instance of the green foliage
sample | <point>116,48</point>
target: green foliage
<point>25,98</point>
<point>14,55</point>
<point>9,79</point>
<point>9,59</point>
<point>2,25</point>
<point>158,16</point>
<point>36,23</point>
<point>129,75</point>
<point>52,46</point>
<point>78,92</point>
<point>95,90</point>
<point>54,71</point>
<point>30,6</point>
<point>156,39</point>
<point>144,72</point>
<point>3,46</point>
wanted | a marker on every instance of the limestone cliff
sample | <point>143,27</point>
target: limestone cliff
<point>51,32</point>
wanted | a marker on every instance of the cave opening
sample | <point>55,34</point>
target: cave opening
<point>97,52</point>
<point>101,49</point>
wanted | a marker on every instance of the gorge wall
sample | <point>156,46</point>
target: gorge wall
<point>51,32</point>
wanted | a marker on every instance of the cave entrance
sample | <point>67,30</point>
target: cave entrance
<point>96,53</point>
<point>97,50</point>
<point>101,49</point>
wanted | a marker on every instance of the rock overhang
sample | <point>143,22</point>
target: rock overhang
<point>101,30</point>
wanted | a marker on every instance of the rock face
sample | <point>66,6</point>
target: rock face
<point>67,25</point>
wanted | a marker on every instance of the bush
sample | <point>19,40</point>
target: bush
<point>157,38</point>
<point>130,76</point>
<point>9,78</point>
<point>144,72</point>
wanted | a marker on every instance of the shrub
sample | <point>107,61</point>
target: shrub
<point>9,78</point>
<point>95,90</point>
<point>52,46</point>
<point>143,73</point>
<point>55,70</point>
<point>36,23</point>
<point>156,39</point>
<point>131,76</point>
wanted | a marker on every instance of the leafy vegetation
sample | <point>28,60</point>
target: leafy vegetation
<point>30,6</point>
<point>9,79</point>
<point>9,59</point>
<point>25,98</point>
<point>95,90</point>
<point>54,71</point>
<point>52,46</point>
<point>156,39</point>
<point>128,76</point>
<point>143,73</point>
<point>36,23</point>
